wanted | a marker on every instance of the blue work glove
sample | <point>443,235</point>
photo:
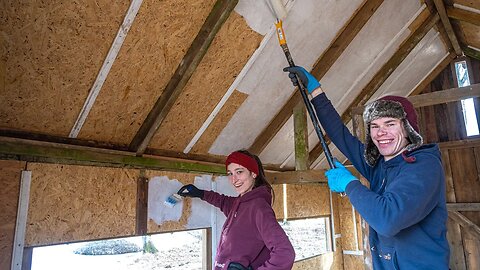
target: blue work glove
<point>339,177</point>
<point>307,79</point>
<point>190,191</point>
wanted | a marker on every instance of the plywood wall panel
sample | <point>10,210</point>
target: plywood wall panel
<point>278,202</point>
<point>308,200</point>
<point>10,174</point>
<point>157,42</point>
<point>74,203</point>
<point>208,84</point>
<point>54,48</point>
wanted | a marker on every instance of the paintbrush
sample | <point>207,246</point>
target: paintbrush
<point>172,200</point>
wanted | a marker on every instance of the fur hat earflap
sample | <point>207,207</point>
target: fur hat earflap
<point>394,107</point>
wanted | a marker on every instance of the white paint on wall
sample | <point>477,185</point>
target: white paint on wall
<point>159,188</point>
<point>201,210</point>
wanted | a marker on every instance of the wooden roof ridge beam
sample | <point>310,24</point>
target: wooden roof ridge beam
<point>438,97</point>
<point>219,14</point>
<point>448,26</point>
<point>323,64</point>
<point>385,71</point>
<point>463,15</point>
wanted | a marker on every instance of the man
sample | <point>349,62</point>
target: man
<point>405,205</point>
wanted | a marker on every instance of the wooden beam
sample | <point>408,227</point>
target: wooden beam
<point>463,206</point>
<point>387,69</point>
<point>466,223</point>
<point>463,15</point>
<point>26,150</point>
<point>448,26</point>
<point>324,62</point>
<point>467,143</point>
<point>187,66</point>
<point>438,97</point>
<point>142,205</point>
<point>296,177</point>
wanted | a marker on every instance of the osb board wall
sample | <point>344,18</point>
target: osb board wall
<point>208,84</point>
<point>327,261</point>
<point>278,201</point>
<point>10,174</point>
<point>50,53</point>
<point>158,40</point>
<point>74,203</point>
<point>184,178</point>
<point>347,227</point>
<point>307,200</point>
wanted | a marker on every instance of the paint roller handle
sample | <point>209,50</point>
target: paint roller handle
<point>190,191</point>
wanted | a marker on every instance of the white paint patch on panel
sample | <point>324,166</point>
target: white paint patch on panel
<point>266,84</point>
<point>369,50</point>
<point>159,188</point>
<point>426,55</point>
<point>201,210</point>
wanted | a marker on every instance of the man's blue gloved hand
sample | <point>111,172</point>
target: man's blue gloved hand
<point>339,177</point>
<point>307,79</point>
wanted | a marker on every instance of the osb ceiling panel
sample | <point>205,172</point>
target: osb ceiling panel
<point>160,36</point>
<point>228,53</point>
<point>472,34</point>
<point>51,52</point>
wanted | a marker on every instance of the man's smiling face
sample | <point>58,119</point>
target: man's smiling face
<point>389,135</point>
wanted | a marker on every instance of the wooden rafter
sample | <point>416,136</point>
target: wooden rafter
<point>463,206</point>
<point>219,14</point>
<point>448,26</point>
<point>438,97</point>
<point>385,71</point>
<point>463,15</point>
<point>325,61</point>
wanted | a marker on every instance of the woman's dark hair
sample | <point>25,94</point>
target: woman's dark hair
<point>260,180</point>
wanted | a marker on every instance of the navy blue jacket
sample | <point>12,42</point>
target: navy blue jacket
<point>405,206</point>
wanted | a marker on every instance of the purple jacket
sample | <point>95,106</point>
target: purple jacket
<point>251,234</point>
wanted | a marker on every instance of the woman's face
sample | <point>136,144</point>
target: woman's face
<point>241,178</point>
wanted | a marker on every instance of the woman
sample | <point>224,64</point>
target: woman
<point>251,236</point>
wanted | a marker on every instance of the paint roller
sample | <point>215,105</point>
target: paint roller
<point>279,12</point>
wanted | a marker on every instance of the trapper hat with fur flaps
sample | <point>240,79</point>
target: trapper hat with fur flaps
<point>395,107</point>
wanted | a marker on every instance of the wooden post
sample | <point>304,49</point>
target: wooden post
<point>301,137</point>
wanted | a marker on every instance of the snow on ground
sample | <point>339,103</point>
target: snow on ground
<point>176,251</point>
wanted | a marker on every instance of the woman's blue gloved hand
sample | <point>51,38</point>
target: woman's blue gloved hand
<point>339,177</point>
<point>307,79</point>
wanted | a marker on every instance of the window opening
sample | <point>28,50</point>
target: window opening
<point>309,237</point>
<point>178,250</point>
<point>468,107</point>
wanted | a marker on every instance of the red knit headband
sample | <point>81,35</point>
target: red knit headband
<point>243,159</point>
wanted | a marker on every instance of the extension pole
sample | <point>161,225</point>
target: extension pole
<point>301,88</point>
